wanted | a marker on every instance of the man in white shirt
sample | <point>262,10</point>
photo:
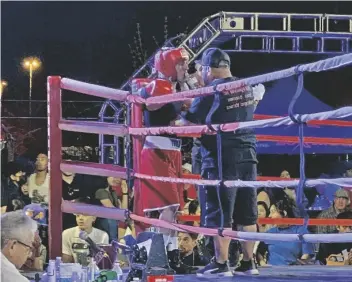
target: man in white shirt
<point>72,244</point>
<point>17,236</point>
<point>38,182</point>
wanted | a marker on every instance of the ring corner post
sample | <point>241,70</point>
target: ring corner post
<point>136,122</point>
<point>55,158</point>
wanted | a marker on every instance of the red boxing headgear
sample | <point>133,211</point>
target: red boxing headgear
<point>165,61</point>
<point>159,87</point>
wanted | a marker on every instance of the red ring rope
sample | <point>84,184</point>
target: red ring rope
<point>332,122</point>
<point>310,140</point>
<point>285,221</point>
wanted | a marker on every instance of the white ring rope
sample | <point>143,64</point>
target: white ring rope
<point>114,94</point>
<point>344,182</point>
<point>94,90</point>
<point>120,214</point>
<point>272,122</point>
<point>322,65</point>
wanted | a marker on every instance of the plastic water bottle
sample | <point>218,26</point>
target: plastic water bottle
<point>75,277</point>
<point>57,268</point>
<point>119,272</point>
<point>93,270</point>
<point>84,276</point>
<point>51,271</point>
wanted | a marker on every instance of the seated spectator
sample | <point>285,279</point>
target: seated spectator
<point>286,253</point>
<point>263,212</point>
<point>263,195</point>
<point>107,197</point>
<point>10,190</point>
<point>119,186</point>
<point>39,252</point>
<point>188,250</point>
<point>190,191</point>
<point>71,243</point>
<point>328,249</point>
<point>24,194</point>
<point>347,167</point>
<point>38,182</point>
<point>17,236</point>
<point>193,208</point>
<point>339,205</point>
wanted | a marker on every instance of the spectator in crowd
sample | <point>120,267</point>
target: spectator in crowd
<point>119,187</point>
<point>192,208</point>
<point>71,243</point>
<point>10,190</point>
<point>24,191</point>
<point>286,253</point>
<point>107,197</point>
<point>263,212</point>
<point>39,252</point>
<point>190,192</point>
<point>327,249</point>
<point>38,182</point>
<point>340,204</point>
<point>348,174</point>
<point>189,254</point>
<point>17,236</point>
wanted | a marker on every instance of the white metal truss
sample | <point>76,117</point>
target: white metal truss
<point>260,33</point>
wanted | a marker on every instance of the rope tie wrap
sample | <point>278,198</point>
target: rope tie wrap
<point>301,125</point>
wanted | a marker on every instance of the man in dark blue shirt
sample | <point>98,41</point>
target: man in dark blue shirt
<point>238,162</point>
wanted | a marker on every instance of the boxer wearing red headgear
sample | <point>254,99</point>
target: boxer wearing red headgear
<point>161,155</point>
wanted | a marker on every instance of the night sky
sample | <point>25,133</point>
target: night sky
<point>88,41</point>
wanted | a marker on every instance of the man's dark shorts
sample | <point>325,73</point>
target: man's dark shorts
<point>239,204</point>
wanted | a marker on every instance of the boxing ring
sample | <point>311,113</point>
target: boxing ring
<point>134,133</point>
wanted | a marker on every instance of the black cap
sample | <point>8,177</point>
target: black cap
<point>215,58</point>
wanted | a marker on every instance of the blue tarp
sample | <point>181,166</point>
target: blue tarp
<point>276,102</point>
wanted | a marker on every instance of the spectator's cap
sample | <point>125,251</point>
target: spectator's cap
<point>37,212</point>
<point>12,168</point>
<point>215,58</point>
<point>187,166</point>
<point>341,193</point>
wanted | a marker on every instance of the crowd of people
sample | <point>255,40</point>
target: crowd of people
<point>240,208</point>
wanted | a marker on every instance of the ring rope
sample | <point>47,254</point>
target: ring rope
<point>284,221</point>
<point>121,95</point>
<point>240,84</point>
<point>318,66</point>
<point>335,123</point>
<point>344,182</point>
<point>273,122</point>
<point>267,182</point>
<point>119,214</point>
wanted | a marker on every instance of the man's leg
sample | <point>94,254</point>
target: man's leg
<point>245,216</point>
<point>247,246</point>
<point>211,216</point>
<point>221,246</point>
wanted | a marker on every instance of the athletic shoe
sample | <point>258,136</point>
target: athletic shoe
<point>247,268</point>
<point>215,269</point>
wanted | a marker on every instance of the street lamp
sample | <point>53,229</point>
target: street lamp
<point>2,86</point>
<point>31,64</point>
